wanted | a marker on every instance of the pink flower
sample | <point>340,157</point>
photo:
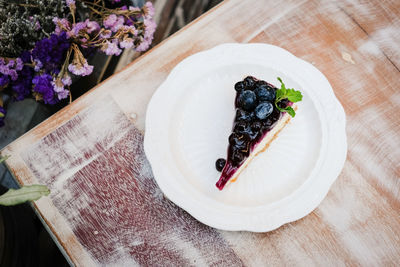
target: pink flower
<point>113,22</point>
<point>111,48</point>
<point>66,80</point>
<point>58,86</point>
<point>149,9</point>
<point>130,29</point>
<point>61,25</point>
<point>80,69</point>
<point>143,46</point>
<point>105,34</point>
<point>71,3</point>
<point>76,28</point>
<point>92,26</point>
<point>110,21</point>
<point>150,28</point>
<point>63,94</point>
<point>126,43</point>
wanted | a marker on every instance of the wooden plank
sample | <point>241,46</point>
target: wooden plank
<point>90,153</point>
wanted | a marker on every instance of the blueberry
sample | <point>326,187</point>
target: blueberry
<point>283,103</point>
<point>260,83</point>
<point>240,127</point>
<point>263,110</point>
<point>239,86</point>
<point>267,124</point>
<point>249,82</point>
<point>265,93</point>
<point>256,126</point>
<point>237,157</point>
<point>242,115</point>
<point>247,100</point>
<point>220,164</point>
<point>238,139</point>
<point>276,114</point>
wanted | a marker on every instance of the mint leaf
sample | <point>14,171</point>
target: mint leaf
<point>290,111</point>
<point>291,94</point>
<point>25,193</point>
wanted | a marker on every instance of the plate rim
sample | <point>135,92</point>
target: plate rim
<point>178,196</point>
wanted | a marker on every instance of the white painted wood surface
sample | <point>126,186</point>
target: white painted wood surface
<point>105,208</point>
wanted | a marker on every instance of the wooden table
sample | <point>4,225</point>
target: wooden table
<point>106,209</point>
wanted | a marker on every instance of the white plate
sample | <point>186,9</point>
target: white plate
<point>188,122</point>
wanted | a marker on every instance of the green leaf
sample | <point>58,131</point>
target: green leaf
<point>290,111</point>
<point>293,95</point>
<point>1,114</point>
<point>25,193</point>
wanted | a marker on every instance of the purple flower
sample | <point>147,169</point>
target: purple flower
<point>143,46</point>
<point>126,43</point>
<point>80,69</point>
<point>71,3</point>
<point>76,28</point>
<point>23,85</point>
<point>113,22</point>
<point>3,113</point>
<point>111,48</point>
<point>62,25</point>
<point>92,26</point>
<point>43,86</point>
<point>11,67</point>
<point>57,84</point>
<point>66,80</point>
<point>150,27</point>
<point>26,56</point>
<point>149,9</point>
<point>51,52</point>
<point>105,34</point>
<point>4,80</point>
<point>19,64</point>
<point>13,74</point>
<point>38,65</point>
<point>63,94</point>
<point>110,21</point>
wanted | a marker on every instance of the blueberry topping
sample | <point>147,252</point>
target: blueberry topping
<point>267,124</point>
<point>247,100</point>
<point>220,164</point>
<point>239,86</point>
<point>265,93</point>
<point>276,114</point>
<point>260,83</point>
<point>237,157</point>
<point>283,103</point>
<point>256,126</point>
<point>256,114</point>
<point>263,110</point>
<point>250,81</point>
<point>240,127</point>
<point>242,115</point>
<point>238,140</point>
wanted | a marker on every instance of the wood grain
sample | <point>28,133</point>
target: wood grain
<point>106,209</point>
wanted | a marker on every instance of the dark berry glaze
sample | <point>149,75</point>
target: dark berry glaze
<point>256,115</point>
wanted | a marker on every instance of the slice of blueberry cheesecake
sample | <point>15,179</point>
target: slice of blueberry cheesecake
<point>262,111</point>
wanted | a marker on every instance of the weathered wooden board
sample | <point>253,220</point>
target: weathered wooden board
<point>105,208</point>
